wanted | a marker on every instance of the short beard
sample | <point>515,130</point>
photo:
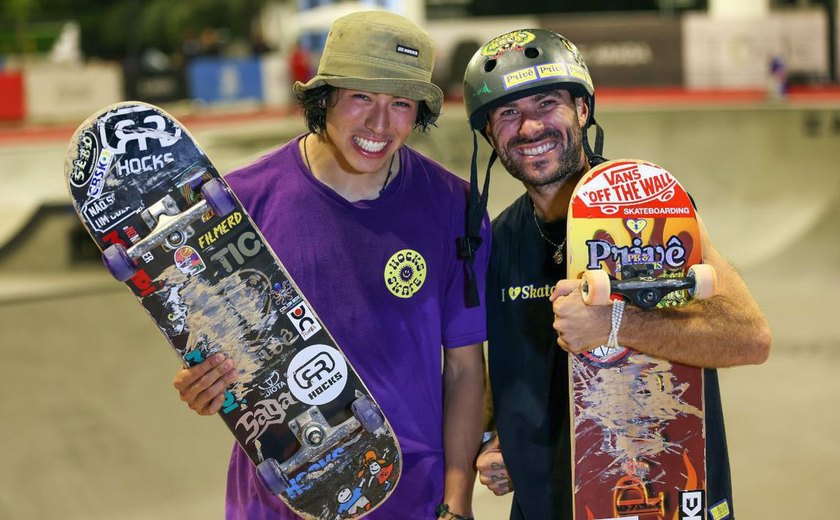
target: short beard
<point>570,161</point>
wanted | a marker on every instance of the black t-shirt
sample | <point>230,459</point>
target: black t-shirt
<point>529,373</point>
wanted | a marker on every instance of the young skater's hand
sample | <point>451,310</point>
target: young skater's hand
<point>203,386</point>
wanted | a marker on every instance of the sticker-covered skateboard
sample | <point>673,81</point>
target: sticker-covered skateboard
<point>172,230</point>
<point>638,443</point>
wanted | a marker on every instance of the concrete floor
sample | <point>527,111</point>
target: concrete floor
<point>92,429</point>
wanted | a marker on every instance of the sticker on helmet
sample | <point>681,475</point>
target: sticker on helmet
<point>506,42</point>
<point>545,71</point>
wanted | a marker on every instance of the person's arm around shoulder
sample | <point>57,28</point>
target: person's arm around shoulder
<point>463,413</point>
<point>728,329</point>
<point>203,386</point>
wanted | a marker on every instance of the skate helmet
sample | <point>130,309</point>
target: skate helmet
<point>520,64</point>
<point>511,66</point>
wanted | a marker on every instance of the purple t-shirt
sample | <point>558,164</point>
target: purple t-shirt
<point>384,277</point>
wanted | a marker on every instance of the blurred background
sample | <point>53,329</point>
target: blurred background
<point>737,98</point>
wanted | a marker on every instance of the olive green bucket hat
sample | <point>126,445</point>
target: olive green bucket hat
<point>379,52</point>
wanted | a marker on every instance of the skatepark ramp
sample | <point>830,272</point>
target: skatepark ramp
<point>49,240</point>
<point>50,256</point>
<point>43,252</point>
<point>97,432</point>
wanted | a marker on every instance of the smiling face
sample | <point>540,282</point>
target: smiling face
<point>539,138</point>
<point>366,129</point>
<point>343,495</point>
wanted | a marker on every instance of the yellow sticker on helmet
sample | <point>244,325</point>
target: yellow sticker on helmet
<point>506,42</point>
<point>519,77</point>
<point>545,71</point>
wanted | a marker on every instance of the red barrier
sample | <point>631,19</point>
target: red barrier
<point>11,96</point>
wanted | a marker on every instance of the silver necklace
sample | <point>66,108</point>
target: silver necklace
<point>558,249</point>
<point>309,167</point>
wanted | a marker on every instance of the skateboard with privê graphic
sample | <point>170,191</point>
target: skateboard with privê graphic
<point>638,427</point>
<point>172,230</point>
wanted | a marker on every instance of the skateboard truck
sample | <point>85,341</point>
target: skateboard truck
<point>640,286</point>
<point>171,225</point>
<point>317,437</point>
<point>163,214</point>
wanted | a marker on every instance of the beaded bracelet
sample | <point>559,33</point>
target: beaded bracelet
<point>443,510</point>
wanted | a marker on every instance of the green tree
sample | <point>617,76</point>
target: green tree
<point>113,29</point>
<point>18,11</point>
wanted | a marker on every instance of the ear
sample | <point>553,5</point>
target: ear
<point>488,131</point>
<point>582,110</point>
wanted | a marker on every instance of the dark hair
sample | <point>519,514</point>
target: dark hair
<point>313,102</point>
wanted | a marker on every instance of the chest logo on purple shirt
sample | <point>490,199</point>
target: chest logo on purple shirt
<point>405,273</point>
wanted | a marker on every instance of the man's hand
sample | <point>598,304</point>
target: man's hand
<point>203,386</point>
<point>492,471</point>
<point>579,327</point>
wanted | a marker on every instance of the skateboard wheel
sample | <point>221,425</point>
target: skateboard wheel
<point>218,197</point>
<point>705,281</point>
<point>118,262</point>
<point>367,413</point>
<point>595,287</point>
<point>272,476</point>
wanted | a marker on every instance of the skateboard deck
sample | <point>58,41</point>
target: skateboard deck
<point>638,443</point>
<point>172,230</point>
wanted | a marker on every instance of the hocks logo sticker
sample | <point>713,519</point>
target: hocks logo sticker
<point>317,374</point>
<point>138,125</point>
<point>405,273</point>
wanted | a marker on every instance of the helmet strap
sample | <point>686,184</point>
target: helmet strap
<point>476,207</point>
<point>595,156</point>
